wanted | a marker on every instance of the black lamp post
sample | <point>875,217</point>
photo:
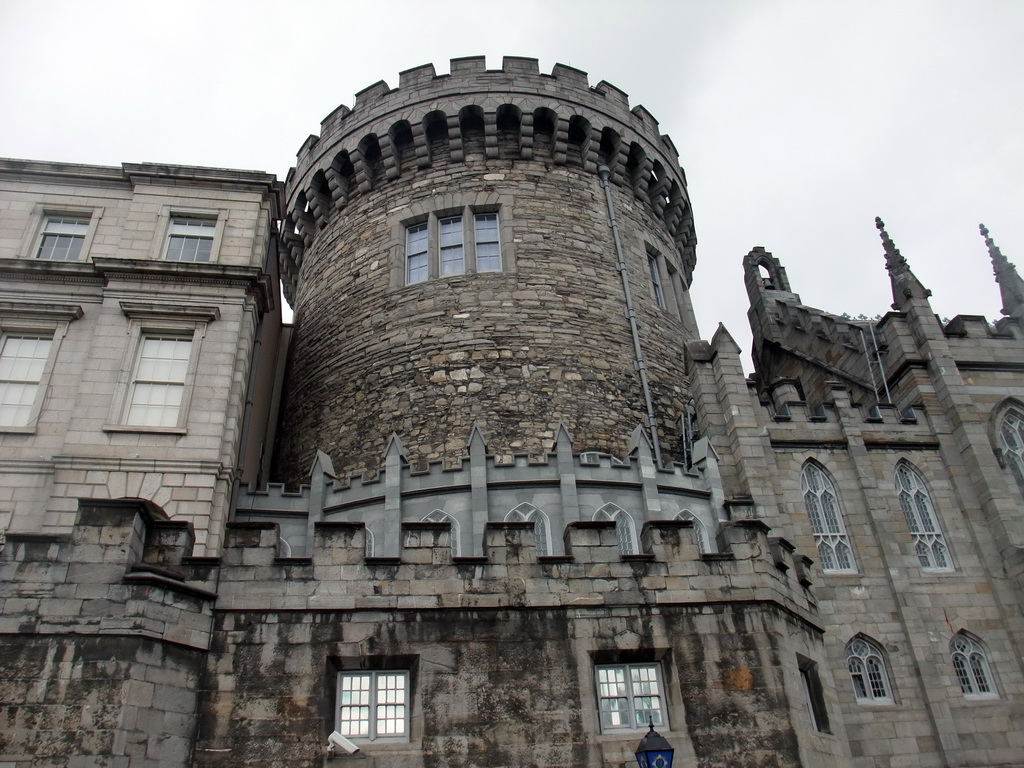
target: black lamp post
<point>654,751</point>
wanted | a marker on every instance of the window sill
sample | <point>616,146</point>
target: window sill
<point>146,430</point>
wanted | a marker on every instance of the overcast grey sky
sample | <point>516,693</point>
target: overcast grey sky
<point>796,122</point>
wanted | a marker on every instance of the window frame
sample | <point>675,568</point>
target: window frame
<point>36,321</point>
<point>831,539</point>
<point>630,695</point>
<point>32,242</point>
<point>437,266</point>
<point>975,656</point>
<point>75,237</point>
<point>1012,456</point>
<point>188,237</point>
<point>864,651</point>
<point>167,217</point>
<point>147,321</point>
<point>813,694</point>
<point>372,721</point>
<point>921,516</point>
<point>529,513</point>
<point>625,529</point>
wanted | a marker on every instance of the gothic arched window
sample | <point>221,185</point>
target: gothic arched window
<point>440,516</point>
<point>822,505</point>
<point>623,526</point>
<point>867,671</point>
<point>971,664</point>
<point>703,543</point>
<point>929,544</point>
<point>1011,440</point>
<point>527,513</point>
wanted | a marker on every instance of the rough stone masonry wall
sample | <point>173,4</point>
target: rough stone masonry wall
<point>102,643</point>
<point>514,352</point>
<point>501,650</point>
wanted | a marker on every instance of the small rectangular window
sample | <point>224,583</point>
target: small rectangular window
<point>656,290</point>
<point>158,386</point>
<point>62,238</point>
<point>373,705</point>
<point>630,696</point>
<point>416,264</point>
<point>488,249</point>
<point>22,361</point>
<point>814,696</point>
<point>453,259</point>
<point>190,240</point>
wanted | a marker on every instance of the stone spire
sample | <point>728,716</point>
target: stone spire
<point>905,285</point>
<point>1011,286</point>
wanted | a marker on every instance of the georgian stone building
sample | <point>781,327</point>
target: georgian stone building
<point>491,501</point>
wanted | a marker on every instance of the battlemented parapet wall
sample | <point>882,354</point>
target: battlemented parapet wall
<point>103,638</point>
<point>535,333</point>
<point>501,649</point>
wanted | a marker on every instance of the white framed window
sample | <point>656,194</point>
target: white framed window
<point>527,513</point>
<point>23,358</point>
<point>487,244</point>
<point>916,503</point>
<point>158,384</point>
<point>630,696</point>
<point>623,526</point>
<point>451,244</point>
<point>373,705</point>
<point>1011,441</point>
<point>62,237</point>
<point>190,239</point>
<point>826,517</point>
<point>867,672</point>
<point>159,368</point>
<point>453,257</point>
<point>417,265</point>
<point>970,661</point>
<point>652,269</point>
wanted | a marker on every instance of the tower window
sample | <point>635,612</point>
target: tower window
<point>656,291</point>
<point>1011,439</point>
<point>190,240</point>
<point>416,266</point>
<point>453,260</point>
<point>452,245</point>
<point>62,238</point>
<point>488,249</point>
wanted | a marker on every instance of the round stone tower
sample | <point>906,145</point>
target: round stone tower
<point>503,249</point>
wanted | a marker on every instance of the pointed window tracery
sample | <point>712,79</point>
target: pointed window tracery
<point>623,526</point>
<point>826,517</point>
<point>440,516</point>
<point>1011,440</point>
<point>703,542</point>
<point>971,664</point>
<point>929,543</point>
<point>527,513</point>
<point>868,673</point>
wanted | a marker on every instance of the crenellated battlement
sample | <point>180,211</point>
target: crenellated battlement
<point>338,575</point>
<point>482,116</point>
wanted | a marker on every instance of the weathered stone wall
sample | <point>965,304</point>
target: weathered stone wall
<point>501,650</point>
<point>102,642</point>
<point>545,341</point>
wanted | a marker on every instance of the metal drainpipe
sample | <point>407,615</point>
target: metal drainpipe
<point>652,425</point>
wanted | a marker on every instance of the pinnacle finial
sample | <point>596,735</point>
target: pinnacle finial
<point>1011,286</point>
<point>905,284</point>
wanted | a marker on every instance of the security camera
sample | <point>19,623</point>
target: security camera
<point>336,740</point>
